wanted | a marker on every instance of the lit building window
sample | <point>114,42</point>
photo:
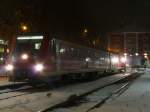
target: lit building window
<point>37,46</point>
<point>62,50</point>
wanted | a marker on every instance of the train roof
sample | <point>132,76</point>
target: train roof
<point>64,41</point>
<point>81,46</point>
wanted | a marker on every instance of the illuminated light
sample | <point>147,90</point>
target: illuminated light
<point>85,30</point>
<point>9,67</point>
<point>136,54</point>
<point>87,59</point>
<point>102,58</point>
<point>1,59</point>
<point>72,49</point>
<point>7,50</point>
<point>24,56</point>
<point>29,37</point>
<point>145,54</point>
<point>125,54</point>
<point>123,59</point>
<point>94,43</point>
<point>2,41</point>
<point>37,46</point>
<point>39,67</point>
<point>131,55</point>
<point>115,60</point>
<point>24,28</point>
<point>62,50</point>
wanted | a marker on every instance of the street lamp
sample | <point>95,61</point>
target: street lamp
<point>85,30</point>
<point>136,54</point>
<point>125,54</point>
<point>24,28</point>
<point>145,54</point>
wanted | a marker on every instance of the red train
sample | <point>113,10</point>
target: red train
<point>40,58</point>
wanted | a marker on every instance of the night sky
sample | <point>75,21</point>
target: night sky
<point>70,17</point>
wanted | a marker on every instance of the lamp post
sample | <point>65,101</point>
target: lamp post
<point>24,28</point>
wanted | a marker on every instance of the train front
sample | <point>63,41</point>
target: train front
<point>24,60</point>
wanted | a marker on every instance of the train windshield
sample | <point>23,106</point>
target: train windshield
<point>28,44</point>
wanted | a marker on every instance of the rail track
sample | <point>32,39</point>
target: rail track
<point>76,103</point>
<point>53,99</point>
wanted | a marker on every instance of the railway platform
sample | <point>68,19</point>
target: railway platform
<point>135,99</point>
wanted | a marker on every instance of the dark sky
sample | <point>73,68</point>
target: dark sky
<point>71,16</point>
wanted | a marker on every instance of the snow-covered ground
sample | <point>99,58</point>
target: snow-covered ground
<point>7,83</point>
<point>91,100</point>
<point>135,99</point>
<point>43,99</point>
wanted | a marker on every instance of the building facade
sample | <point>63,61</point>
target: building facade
<point>129,42</point>
<point>136,45</point>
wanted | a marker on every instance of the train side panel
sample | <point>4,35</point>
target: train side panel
<point>74,57</point>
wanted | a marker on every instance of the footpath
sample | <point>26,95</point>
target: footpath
<point>134,99</point>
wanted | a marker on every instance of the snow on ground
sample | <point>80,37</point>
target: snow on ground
<point>135,99</point>
<point>43,99</point>
<point>90,100</point>
<point>7,83</point>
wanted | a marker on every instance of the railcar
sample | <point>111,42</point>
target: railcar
<point>39,58</point>
<point>3,55</point>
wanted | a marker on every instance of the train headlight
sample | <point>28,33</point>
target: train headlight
<point>24,56</point>
<point>9,67</point>
<point>39,67</point>
<point>115,60</point>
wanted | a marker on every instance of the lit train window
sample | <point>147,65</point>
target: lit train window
<point>37,46</point>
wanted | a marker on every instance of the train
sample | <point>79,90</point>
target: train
<point>3,55</point>
<point>38,58</point>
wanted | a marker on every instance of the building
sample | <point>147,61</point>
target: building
<point>129,42</point>
<point>132,44</point>
<point>115,42</point>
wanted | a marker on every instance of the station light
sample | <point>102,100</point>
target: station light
<point>9,67</point>
<point>1,58</point>
<point>115,60</point>
<point>7,50</point>
<point>136,54</point>
<point>39,67</point>
<point>24,28</point>
<point>125,54</point>
<point>29,37</point>
<point>62,50</point>
<point>131,55</point>
<point>85,30</point>
<point>123,59</point>
<point>24,56</point>
<point>87,59</point>
<point>145,54</point>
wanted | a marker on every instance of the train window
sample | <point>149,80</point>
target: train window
<point>29,44</point>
